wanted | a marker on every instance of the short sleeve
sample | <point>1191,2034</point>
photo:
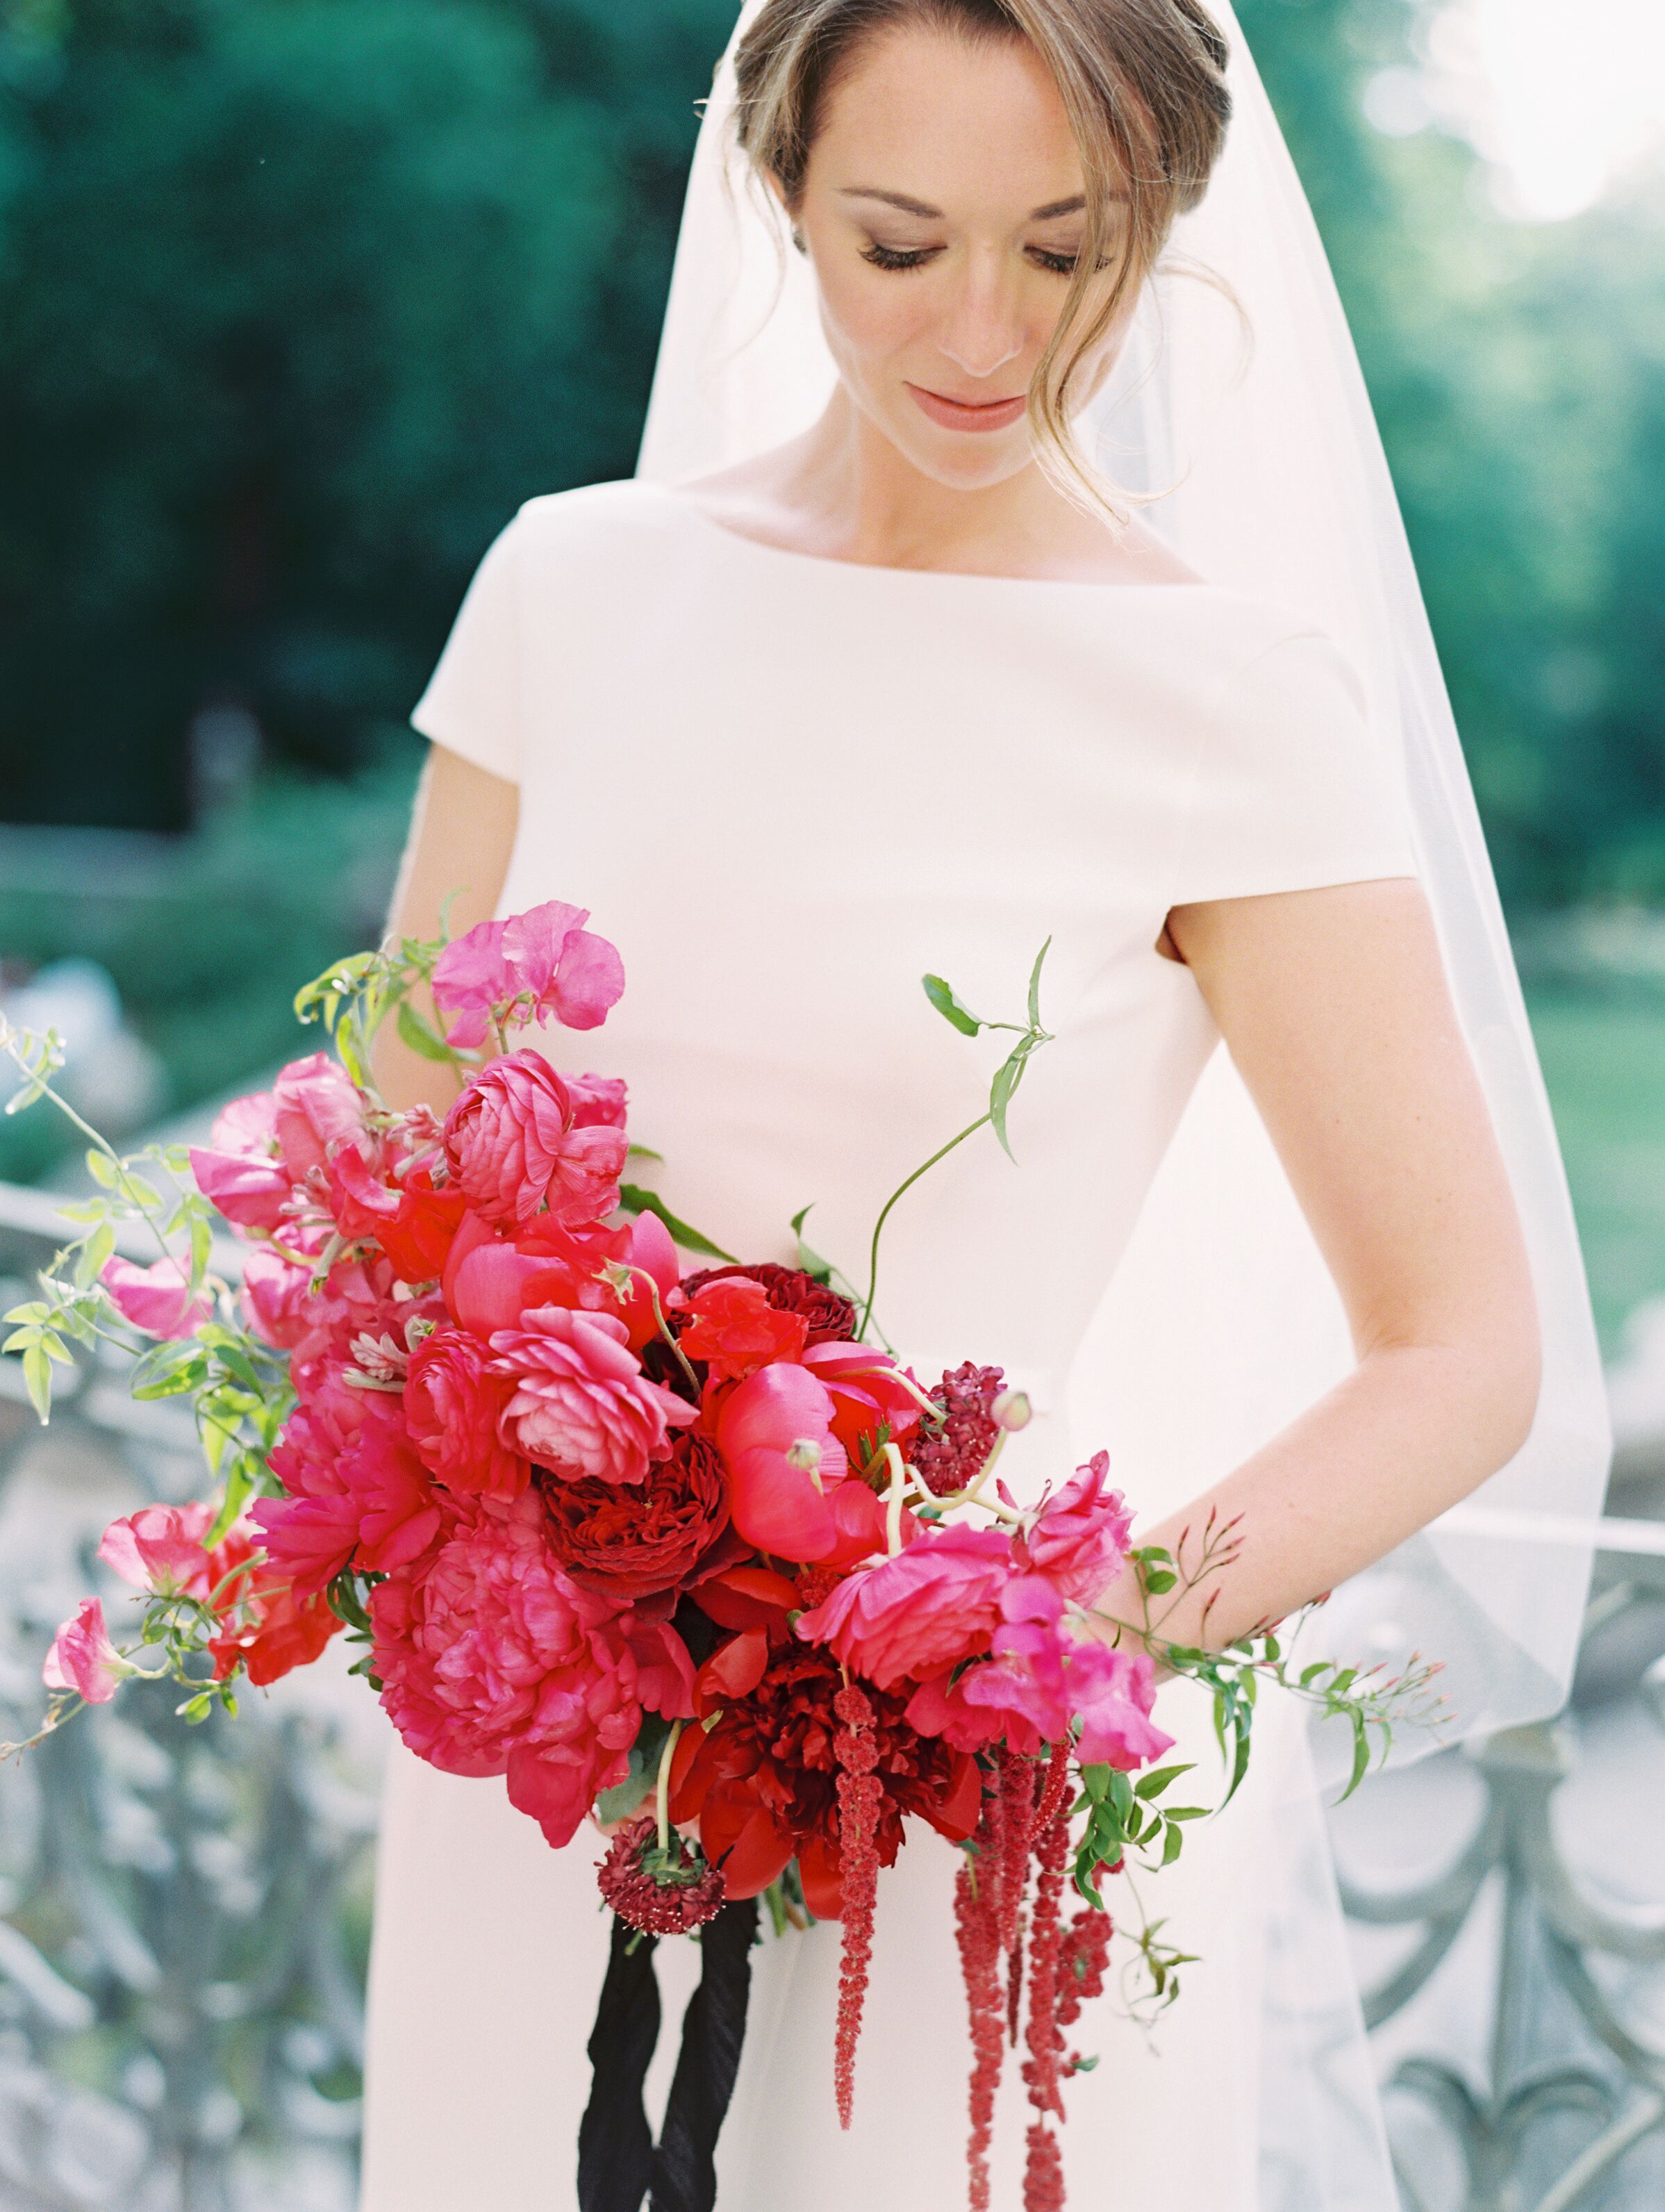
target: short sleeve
<point>471,704</point>
<point>1292,789</point>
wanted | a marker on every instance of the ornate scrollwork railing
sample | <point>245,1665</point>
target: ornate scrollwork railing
<point>1561,1958</point>
<point>185,1909</point>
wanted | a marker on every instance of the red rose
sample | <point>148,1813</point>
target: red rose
<point>831,1318</point>
<point>631,1541</point>
<point>453,1404</point>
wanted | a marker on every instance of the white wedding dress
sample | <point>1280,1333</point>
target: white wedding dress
<point>787,787</point>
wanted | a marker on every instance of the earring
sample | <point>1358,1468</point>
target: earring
<point>798,239</point>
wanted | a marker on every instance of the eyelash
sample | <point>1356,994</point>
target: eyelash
<point>890,256</point>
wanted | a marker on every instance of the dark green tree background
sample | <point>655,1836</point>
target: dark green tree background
<point>298,298</point>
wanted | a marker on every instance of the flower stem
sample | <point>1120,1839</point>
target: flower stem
<point>981,1122</point>
<point>662,1788</point>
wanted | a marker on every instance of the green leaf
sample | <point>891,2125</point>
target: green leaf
<point>1153,1784</point>
<point>38,1374</point>
<point>101,1167</point>
<point>201,1249</point>
<point>419,1034</point>
<point>89,1261</point>
<point>167,1369</point>
<point>244,1469</point>
<point>1159,1579</point>
<point>87,1209</point>
<point>1361,1756</point>
<point>809,1260</point>
<point>1172,1844</point>
<point>34,1311</point>
<point>943,998</point>
<point>1006,1077</point>
<point>1035,986</point>
<point>641,1152</point>
<point>135,1188</point>
<point>634,1199</point>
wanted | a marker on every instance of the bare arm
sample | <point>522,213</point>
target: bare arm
<point>462,835</point>
<point>1334,1007</point>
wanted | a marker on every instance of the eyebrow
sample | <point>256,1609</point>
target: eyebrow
<point>1046,213</point>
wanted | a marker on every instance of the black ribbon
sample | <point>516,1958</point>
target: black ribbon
<point>618,2164</point>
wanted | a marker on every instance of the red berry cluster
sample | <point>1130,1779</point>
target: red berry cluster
<point>953,1455</point>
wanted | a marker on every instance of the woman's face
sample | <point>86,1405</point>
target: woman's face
<point>942,208</point>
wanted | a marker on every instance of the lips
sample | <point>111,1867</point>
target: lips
<point>967,414</point>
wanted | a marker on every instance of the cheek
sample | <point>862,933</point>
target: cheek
<point>870,317</point>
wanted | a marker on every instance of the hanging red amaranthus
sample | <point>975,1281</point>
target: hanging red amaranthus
<point>859,1794</point>
<point>1043,2172</point>
<point>977,1929</point>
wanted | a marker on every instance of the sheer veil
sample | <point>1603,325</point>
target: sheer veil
<point>1221,1323</point>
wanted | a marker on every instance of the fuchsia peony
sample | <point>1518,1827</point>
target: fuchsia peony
<point>356,1490</point>
<point>512,1145</point>
<point>493,1661</point>
<point>542,964</point>
<point>581,1405</point>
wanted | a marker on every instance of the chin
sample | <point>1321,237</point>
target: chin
<point>967,461</point>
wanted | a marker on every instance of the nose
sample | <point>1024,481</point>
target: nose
<point>983,331</point>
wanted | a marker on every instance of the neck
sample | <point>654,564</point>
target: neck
<point>870,504</point>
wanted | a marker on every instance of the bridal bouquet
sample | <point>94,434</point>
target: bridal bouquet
<point>691,1554</point>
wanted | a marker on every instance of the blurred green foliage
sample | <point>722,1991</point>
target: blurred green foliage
<point>1518,375</point>
<point>298,300</point>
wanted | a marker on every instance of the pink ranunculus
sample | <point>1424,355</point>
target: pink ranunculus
<point>356,1490</point>
<point>84,1659</point>
<point>598,1101</point>
<point>581,1405</point>
<point>511,1144</point>
<point>274,1297</point>
<point>317,1107</point>
<point>1079,1537</point>
<point>156,1298</point>
<point>544,956</point>
<point>932,1605</point>
<point>1111,1693</point>
<point>492,1660</point>
<point>452,1405</point>
<point>778,1505</point>
<point>160,1548</point>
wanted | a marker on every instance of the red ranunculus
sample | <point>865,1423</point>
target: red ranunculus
<point>275,1631</point>
<point>763,1782</point>
<point>636,1541</point>
<point>732,1328</point>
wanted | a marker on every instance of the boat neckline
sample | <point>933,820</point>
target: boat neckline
<point>680,498</point>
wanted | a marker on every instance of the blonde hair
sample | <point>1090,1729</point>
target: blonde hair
<point>1143,83</point>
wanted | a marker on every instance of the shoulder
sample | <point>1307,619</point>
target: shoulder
<point>627,516</point>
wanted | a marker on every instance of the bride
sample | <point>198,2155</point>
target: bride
<point>1013,556</point>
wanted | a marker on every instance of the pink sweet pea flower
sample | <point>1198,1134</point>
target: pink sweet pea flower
<point>274,1297</point>
<point>1111,1693</point>
<point>598,1101</point>
<point>581,1405</point>
<point>932,1605</point>
<point>544,954</point>
<point>156,1298</point>
<point>84,1659</point>
<point>1078,1538</point>
<point>317,1108</point>
<point>238,1170</point>
<point>160,1549</point>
